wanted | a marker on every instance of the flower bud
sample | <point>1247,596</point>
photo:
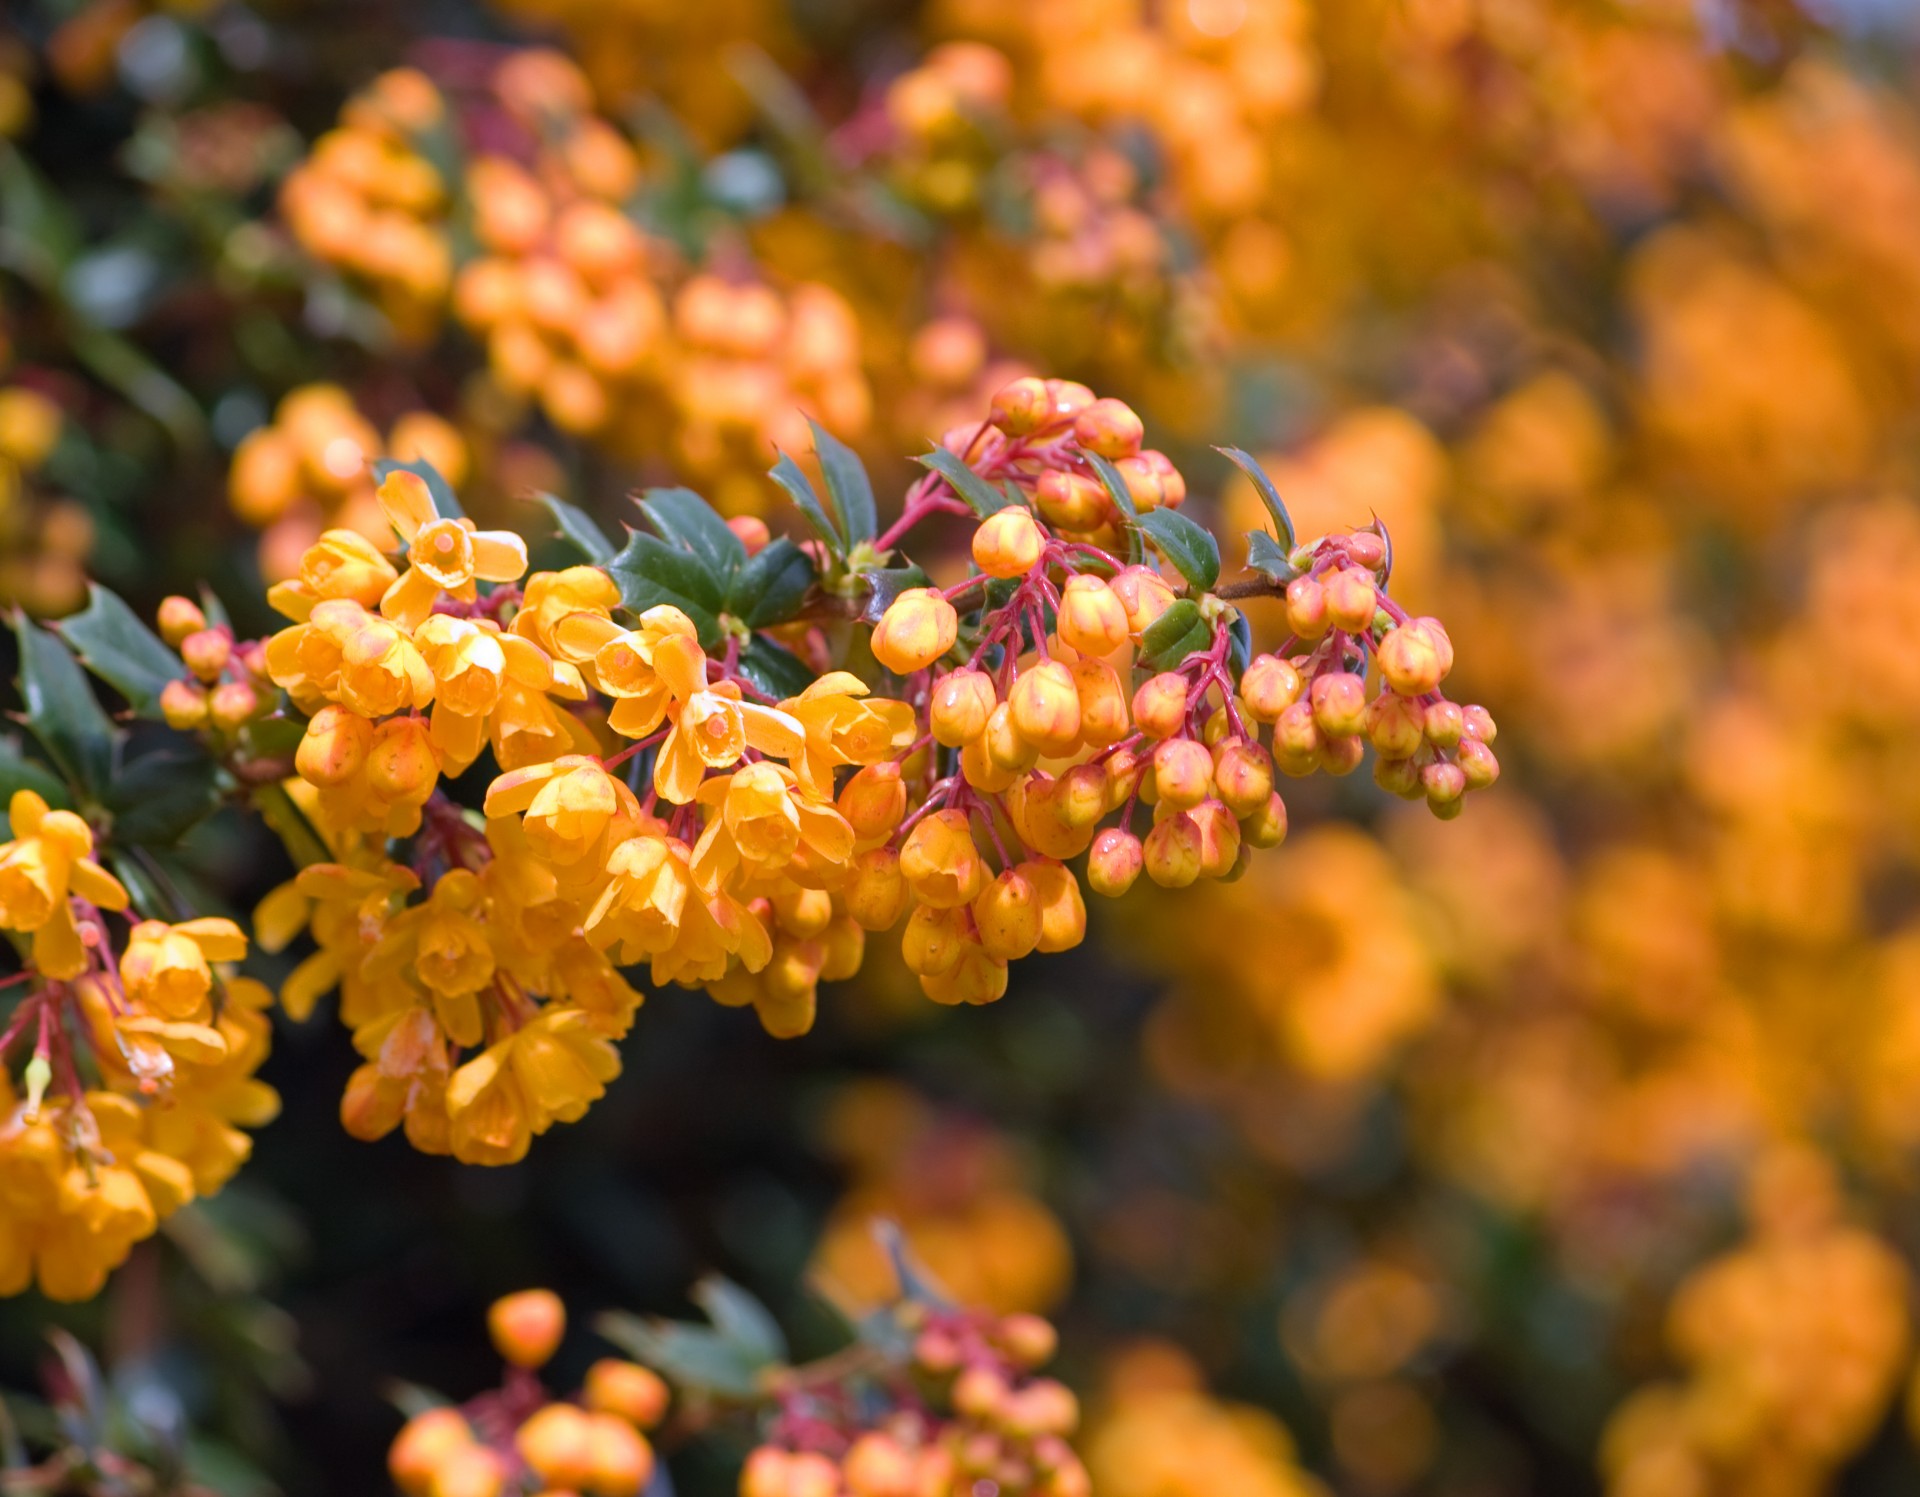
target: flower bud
<point>846,946</point>
<point>1160,705</point>
<point>1444,723</point>
<point>1182,772</point>
<point>1022,407</point>
<point>877,1466</point>
<point>1306,608</point>
<point>184,705</point>
<point>557,1443</point>
<point>874,801</point>
<point>526,1327</point>
<point>960,705</point>
<point>1104,717</point>
<point>426,1443</point>
<point>400,762</point>
<point>206,652</point>
<point>1114,862</point>
<point>1339,701</point>
<point>1109,428</point>
<point>1045,705</point>
<point>472,1471</point>
<point>930,945</point>
<point>1124,769</point>
<point>1219,837</point>
<point>787,998</point>
<point>178,618</point>
<point>1071,501</point>
<point>1477,763</point>
<point>1242,775</point>
<point>1297,740</point>
<point>1444,785</point>
<point>1351,600</point>
<point>622,1459</point>
<point>1269,686</point>
<point>1063,914</point>
<point>1028,1341</point>
<point>1009,543</point>
<point>918,628</point>
<point>765,1473</point>
<point>1007,915</point>
<point>334,748</point>
<point>975,978</point>
<point>978,769</point>
<point>1266,827</point>
<point>1477,722</point>
<point>231,705</point>
<point>1152,481</point>
<point>939,861</point>
<point>637,1394</point>
<point>1171,854</point>
<point>1144,594</point>
<point>1395,726</point>
<point>1083,796</point>
<point>802,913</point>
<point>1342,756</point>
<point>751,532</point>
<point>1399,777</point>
<point>1007,747</point>
<point>1091,618</point>
<point>1411,659</point>
<point>876,894</point>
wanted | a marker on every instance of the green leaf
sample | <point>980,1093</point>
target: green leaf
<point>62,712</point>
<point>848,483</point>
<point>1269,495</point>
<point>779,673</point>
<point>18,772</point>
<point>1115,484</point>
<point>683,517</point>
<point>160,797</point>
<point>117,647</point>
<point>770,587</point>
<point>740,1317</point>
<point>692,1356</point>
<point>651,572</point>
<point>884,584</point>
<point>39,233</point>
<point>1189,546</point>
<point>446,503</point>
<point>1268,556</point>
<point>1239,643</point>
<point>788,475</point>
<point>1174,636</point>
<point>577,527</point>
<point>969,485</point>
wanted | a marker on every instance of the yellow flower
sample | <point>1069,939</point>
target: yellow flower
<point>622,662</point>
<point>165,967</point>
<point>341,564</point>
<point>443,555</point>
<point>712,727</point>
<point>651,908</point>
<point>550,1071</point>
<point>761,824</point>
<point>51,855</point>
<point>471,661</point>
<point>550,597</point>
<point>574,812</point>
<point>842,729</point>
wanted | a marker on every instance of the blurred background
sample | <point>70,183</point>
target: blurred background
<point>1565,1148</point>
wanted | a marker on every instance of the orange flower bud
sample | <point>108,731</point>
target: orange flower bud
<point>1266,827</point>
<point>1297,739</point>
<point>1104,716</point>
<point>1152,481</point>
<point>1007,747</point>
<point>472,1471</point>
<point>876,894</point>
<point>1071,501</point>
<point>1477,722</point>
<point>206,652</point>
<point>1445,723</point>
<point>1008,543</point>
<point>918,628</point>
<point>1269,686</point>
<point>184,705</point>
<point>1342,756</point>
<point>960,705</point>
<point>1160,705</point>
<point>1063,914</point>
<point>1395,726</point>
<point>1399,777</point>
<point>621,1457</point>
<point>1242,775</point>
<point>557,1442</point>
<point>931,943</point>
<point>874,801</point>
<point>1171,854</point>
<point>1114,862</point>
<point>1444,785</point>
<point>1110,428</point>
<point>1027,1340</point>
<point>979,770</point>
<point>939,861</point>
<point>1144,594</point>
<point>178,618</point>
<point>1306,608</point>
<point>802,913</point>
<point>1351,600</point>
<point>400,762</point>
<point>1410,659</point>
<point>876,1466</point>
<point>1477,763</point>
<point>1042,815</point>
<point>846,948</point>
<point>1045,707</point>
<point>765,1473</point>
<point>637,1394</point>
<point>1022,407</point>
<point>1090,616</point>
<point>1083,795</point>
<point>1007,915</point>
<point>1182,772</point>
<point>1339,701</point>
<point>1219,837</point>
<point>426,1443</point>
<point>1124,769</point>
<point>980,1393</point>
<point>526,1327</point>
<point>231,705</point>
<point>752,532</point>
<point>334,748</point>
<point>975,978</point>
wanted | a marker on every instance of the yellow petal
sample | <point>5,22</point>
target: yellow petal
<point>92,882</point>
<point>218,940</point>
<point>679,771</point>
<point>773,732</point>
<point>57,951</point>
<point>409,601</point>
<point>318,974</point>
<point>525,662</point>
<point>407,502</point>
<point>499,556</point>
<point>682,664</point>
<point>25,812</point>
<point>280,917</point>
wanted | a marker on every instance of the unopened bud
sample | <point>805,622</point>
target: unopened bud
<point>1444,723</point>
<point>751,531</point>
<point>1171,854</point>
<point>1008,543</point>
<point>961,703</point>
<point>635,1393</point>
<point>401,764</point>
<point>334,748</point>
<point>1182,772</point>
<point>1269,686</point>
<point>1443,783</point>
<point>1410,659</point>
<point>1396,726</point>
<point>178,618</point>
<point>1071,501</point>
<point>1109,428</point>
<point>1021,408</point>
<point>526,1327</point>
<point>184,705</point>
<point>1350,600</point>
<point>1045,704</point>
<point>1306,608</point>
<point>1144,594</point>
<point>231,706</point>
<point>206,652</point>
<point>1242,775</point>
<point>1343,755</point>
<point>1113,862</point>
<point>1477,763</point>
<point>918,628</point>
<point>1477,722</point>
<point>876,895</point>
<point>1339,701</point>
<point>1266,827</point>
<point>874,801</point>
<point>1091,617</point>
<point>1007,915</point>
<point>1160,705</point>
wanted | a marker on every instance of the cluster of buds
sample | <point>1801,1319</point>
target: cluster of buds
<point>968,1414</point>
<point>138,1069</point>
<point>224,689</point>
<point>370,203</point>
<point>944,119</point>
<point>311,468</point>
<point>519,1439</point>
<point>44,545</point>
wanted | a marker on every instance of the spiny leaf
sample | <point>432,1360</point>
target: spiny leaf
<point>1269,495</point>
<point>847,481</point>
<point>117,647</point>
<point>969,485</point>
<point>683,517</point>
<point>1266,555</point>
<point>692,1356</point>
<point>62,712</point>
<point>787,473</point>
<point>577,527</point>
<point>650,572</point>
<point>18,772</point>
<point>740,1317</point>
<point>770,587</point>
<point>1174,636</point>
<point>158,798</point>
<point>1188,546</point>
<point>779,673</point>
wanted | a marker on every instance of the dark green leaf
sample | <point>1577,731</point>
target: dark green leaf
<point>1269,495</point>
<point>687,520</point>
<point>769,588</point>
<point>1189,546</point>
<point>788,475</point>
<point>779,673</point>
<point>651,572</point>
<point>969,485</point>
<point>446,503</point>
<point>1239,643</point>
<point>1266,555</point>
<point>692,1356</point>
<point>1174,636</point>
<point>18,772</point>
<point>740,1317</point>
<point>62,712</point>
<point>159,798</point>
<point>847,481</point>
<point>117,647</point>
<point>39,233</point>
<point>1116,485</point>
<point>884,584</point>
<point>577,527</point>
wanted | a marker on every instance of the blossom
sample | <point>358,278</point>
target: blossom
<point>49,857</point>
